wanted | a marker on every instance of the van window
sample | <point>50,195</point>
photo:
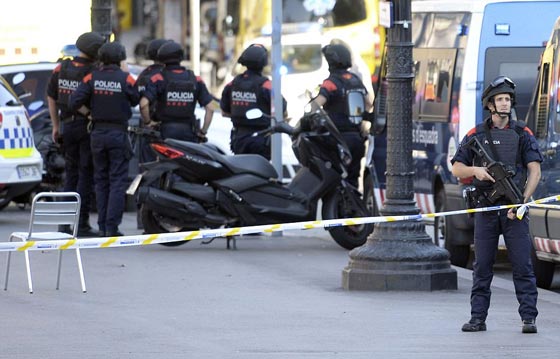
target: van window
<point>344,12</point>
<point>433,82</point>
<point>432,30</point>
<point>518,63</point>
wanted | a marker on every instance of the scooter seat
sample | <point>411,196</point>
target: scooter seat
<point>253,164</point>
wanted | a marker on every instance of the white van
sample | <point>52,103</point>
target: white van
<point>21,165</point>
<point>459,47</point>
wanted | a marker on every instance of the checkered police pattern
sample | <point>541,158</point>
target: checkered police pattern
<point>15,138</point>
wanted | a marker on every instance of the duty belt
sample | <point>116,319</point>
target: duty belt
<point>115,125</point>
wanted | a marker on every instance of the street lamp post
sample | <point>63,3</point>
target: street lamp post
<point>101,17</point>
<point>399,255</point>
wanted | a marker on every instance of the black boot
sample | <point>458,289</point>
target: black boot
<point>86,231</point>
<point>529,326</point>
<point>65,228</point>
<point>474,325</point>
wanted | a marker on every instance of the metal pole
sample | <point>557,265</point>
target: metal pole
<point>195,36</point>
<point>399,255</point>
<point>101,17</point>
<point>277,110</point>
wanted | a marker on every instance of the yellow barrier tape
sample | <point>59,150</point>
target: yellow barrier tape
<point>145,239</point>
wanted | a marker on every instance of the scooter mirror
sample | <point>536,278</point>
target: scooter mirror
<point>254,114</point>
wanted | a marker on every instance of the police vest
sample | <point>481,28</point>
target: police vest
<point>145,76</point>
<point>507,143</point>
<point>178,100</point>
<point>352,102</point>
<point>245,96</point>
<point>109,101</point>
<point>69,78</point>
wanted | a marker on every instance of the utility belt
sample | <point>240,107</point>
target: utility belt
<point>475,197</point>
<point>245,130</point>
<point>110,125</point>
<point>72,118</point>
<point>190,123</point>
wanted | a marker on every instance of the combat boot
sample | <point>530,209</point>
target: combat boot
<point>529,326</point>
<point>474,325</point>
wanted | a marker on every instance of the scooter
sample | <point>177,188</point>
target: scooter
<point>193,186</point>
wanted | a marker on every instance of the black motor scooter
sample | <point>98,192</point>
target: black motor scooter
<point>193,186</point>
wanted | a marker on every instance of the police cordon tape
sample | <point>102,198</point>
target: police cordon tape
<point>147,239</point>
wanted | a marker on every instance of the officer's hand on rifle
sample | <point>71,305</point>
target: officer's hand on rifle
<point>481,174</point>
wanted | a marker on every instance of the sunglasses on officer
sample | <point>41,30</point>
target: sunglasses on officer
<point>499,81</point>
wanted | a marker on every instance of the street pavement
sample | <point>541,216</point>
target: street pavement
<point>273,297</point>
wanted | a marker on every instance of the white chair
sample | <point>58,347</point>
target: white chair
<point>50,209</point>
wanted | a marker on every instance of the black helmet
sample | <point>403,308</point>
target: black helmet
<point>255,57</point>
<point>112,53</point>
<point>338,56</point>
<point>170,52</point>
<point>501,84</point>
<point>89,43</point>
<point>153,47</point>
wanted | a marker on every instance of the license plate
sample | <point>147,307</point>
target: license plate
<point>134,185</point>
<point>26,172</point>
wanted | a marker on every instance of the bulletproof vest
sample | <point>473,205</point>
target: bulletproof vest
<point>507,143</point>
<point>109,96</point>
<point>178,101</point>
<point>69,78</point>
<point>352,102</point>
<point>145,76</point>
<point>245,95</point>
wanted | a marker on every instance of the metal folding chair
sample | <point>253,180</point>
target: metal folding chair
<point>50,210</point>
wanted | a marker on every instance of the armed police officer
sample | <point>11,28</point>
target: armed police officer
<point>175,92</point>
<point>345,98</point>
<point>146,154</point>
<point>247,91</point>
<point>107,95</point>
<point>513,144</point>
<point>76,140</point>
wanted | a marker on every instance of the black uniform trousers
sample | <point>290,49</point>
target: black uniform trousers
<point>78,164</point>
<point>242,141</point>
<point>357,148</point>
<point>488,226</point>
<point>111,154</point>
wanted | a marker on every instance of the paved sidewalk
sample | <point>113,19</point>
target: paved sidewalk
<point>275,297</point>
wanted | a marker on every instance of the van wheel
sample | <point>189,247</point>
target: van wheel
<point>458,254</point>
<point>544,271</point>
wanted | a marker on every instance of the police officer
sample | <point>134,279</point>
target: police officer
<point>345,98</point>
<point>77,152</point>
<point>512,143</point>
<point>247,91</point>
<point>175,92</point>
<point>109,93</point>
<point>146,155</point>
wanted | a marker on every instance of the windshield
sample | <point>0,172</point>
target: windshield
<point>329,13</point>
<point>298,59</point>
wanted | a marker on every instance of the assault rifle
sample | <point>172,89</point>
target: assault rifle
<point>503,185</point>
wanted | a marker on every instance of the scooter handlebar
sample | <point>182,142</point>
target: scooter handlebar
<point>280,127</point>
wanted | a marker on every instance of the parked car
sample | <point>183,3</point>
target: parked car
<point>20,162</point>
